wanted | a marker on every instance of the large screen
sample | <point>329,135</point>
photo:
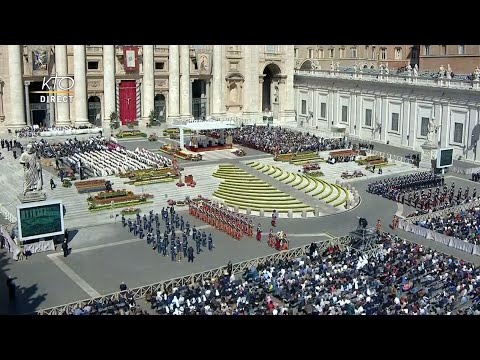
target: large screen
<point>40,220</point>
<point>444,158</point>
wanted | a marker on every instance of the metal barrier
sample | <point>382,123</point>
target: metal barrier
<point>391,156</point>
<point>464,171</point>
<point>238,268</point>
<point>7,214</point>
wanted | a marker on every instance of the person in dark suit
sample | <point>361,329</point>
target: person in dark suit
<point>66,236</point>
<point>65,248</point>
<point>190,254</point>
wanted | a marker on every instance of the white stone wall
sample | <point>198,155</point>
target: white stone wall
<point>411,102</point>
<point>232,62</point>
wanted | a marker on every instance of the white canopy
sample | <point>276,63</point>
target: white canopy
<point>198,125</point>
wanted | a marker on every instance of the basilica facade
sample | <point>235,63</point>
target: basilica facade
<point>78,85</point>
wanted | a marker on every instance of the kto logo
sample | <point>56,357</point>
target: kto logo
<point>57,88</point>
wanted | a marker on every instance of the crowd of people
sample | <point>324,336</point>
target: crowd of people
<point>70,147</point>
<point>282,141</point>
<point>424,190</point>
<point>464,225</point>
<point>149,227</point>
<point>402,279</point>
<point>341,158</point>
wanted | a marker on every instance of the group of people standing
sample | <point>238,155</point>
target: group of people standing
<point>234,224</point>
<point>150,227</point>
<point>413,189</point>
<point>11,145</point>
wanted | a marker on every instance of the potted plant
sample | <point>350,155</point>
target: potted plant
<point>152,118</point>
<point>114,120</point>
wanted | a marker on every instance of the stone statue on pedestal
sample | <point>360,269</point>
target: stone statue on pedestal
<point>32,177</point>
<point>387,70</point>
<point>415,70</point>
<point>380,67</point>
<point>449,72</point>
<point>338,66</point>
<point>431,134</point>
<point>476,74</point>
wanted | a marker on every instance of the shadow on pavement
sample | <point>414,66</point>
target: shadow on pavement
<point>27,299</point>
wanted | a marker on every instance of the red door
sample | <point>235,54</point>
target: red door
<point>128,103</point>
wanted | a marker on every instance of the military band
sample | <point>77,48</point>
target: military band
<point>179,249</point>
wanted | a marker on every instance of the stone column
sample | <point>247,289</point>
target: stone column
<point>148,82</point>
<point>173,83</point>
<point>251,98</point>
<point>185,84</point>
<point>218,106</point>
<point>17,113</point>
<point>207,95</point>
<point>27,102</point>
<point>61,68</point>
<point>108,82</point>
<point>80,95</point>
<point>289,100</point>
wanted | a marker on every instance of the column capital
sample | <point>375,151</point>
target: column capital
<point>26,83</point>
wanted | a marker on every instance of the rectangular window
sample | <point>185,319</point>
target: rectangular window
<point>368,117</point>
<point>444,49</point>
<point>323,110</point>
<point>424,126</point>
<point>92,65</point>
<point>320,53</point>
<point>374,54</point>
<point>296,52</point>
<point>304,107</point>
<point>426,50</point>
<point>398,53</point>
<point>383,53</point>
<point>461,49</point>
<point>159,65</point>
<point>341,53</point>
<point>310,53</point>
<point>395,117</point>
<point>344,113</point>
<point>354,52</point>
<point>331,53</point>
<point>458,133</point>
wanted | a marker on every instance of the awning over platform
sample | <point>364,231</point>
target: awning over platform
<point>339,126</point>
<point>204,125</point>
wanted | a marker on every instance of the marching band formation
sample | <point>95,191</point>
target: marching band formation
<point>151,225</point>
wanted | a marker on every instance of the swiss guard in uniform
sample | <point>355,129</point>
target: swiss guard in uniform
<point>259,232</point>
<point>250,228</point>
<point>271,238</point>
<point>274,218</point>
